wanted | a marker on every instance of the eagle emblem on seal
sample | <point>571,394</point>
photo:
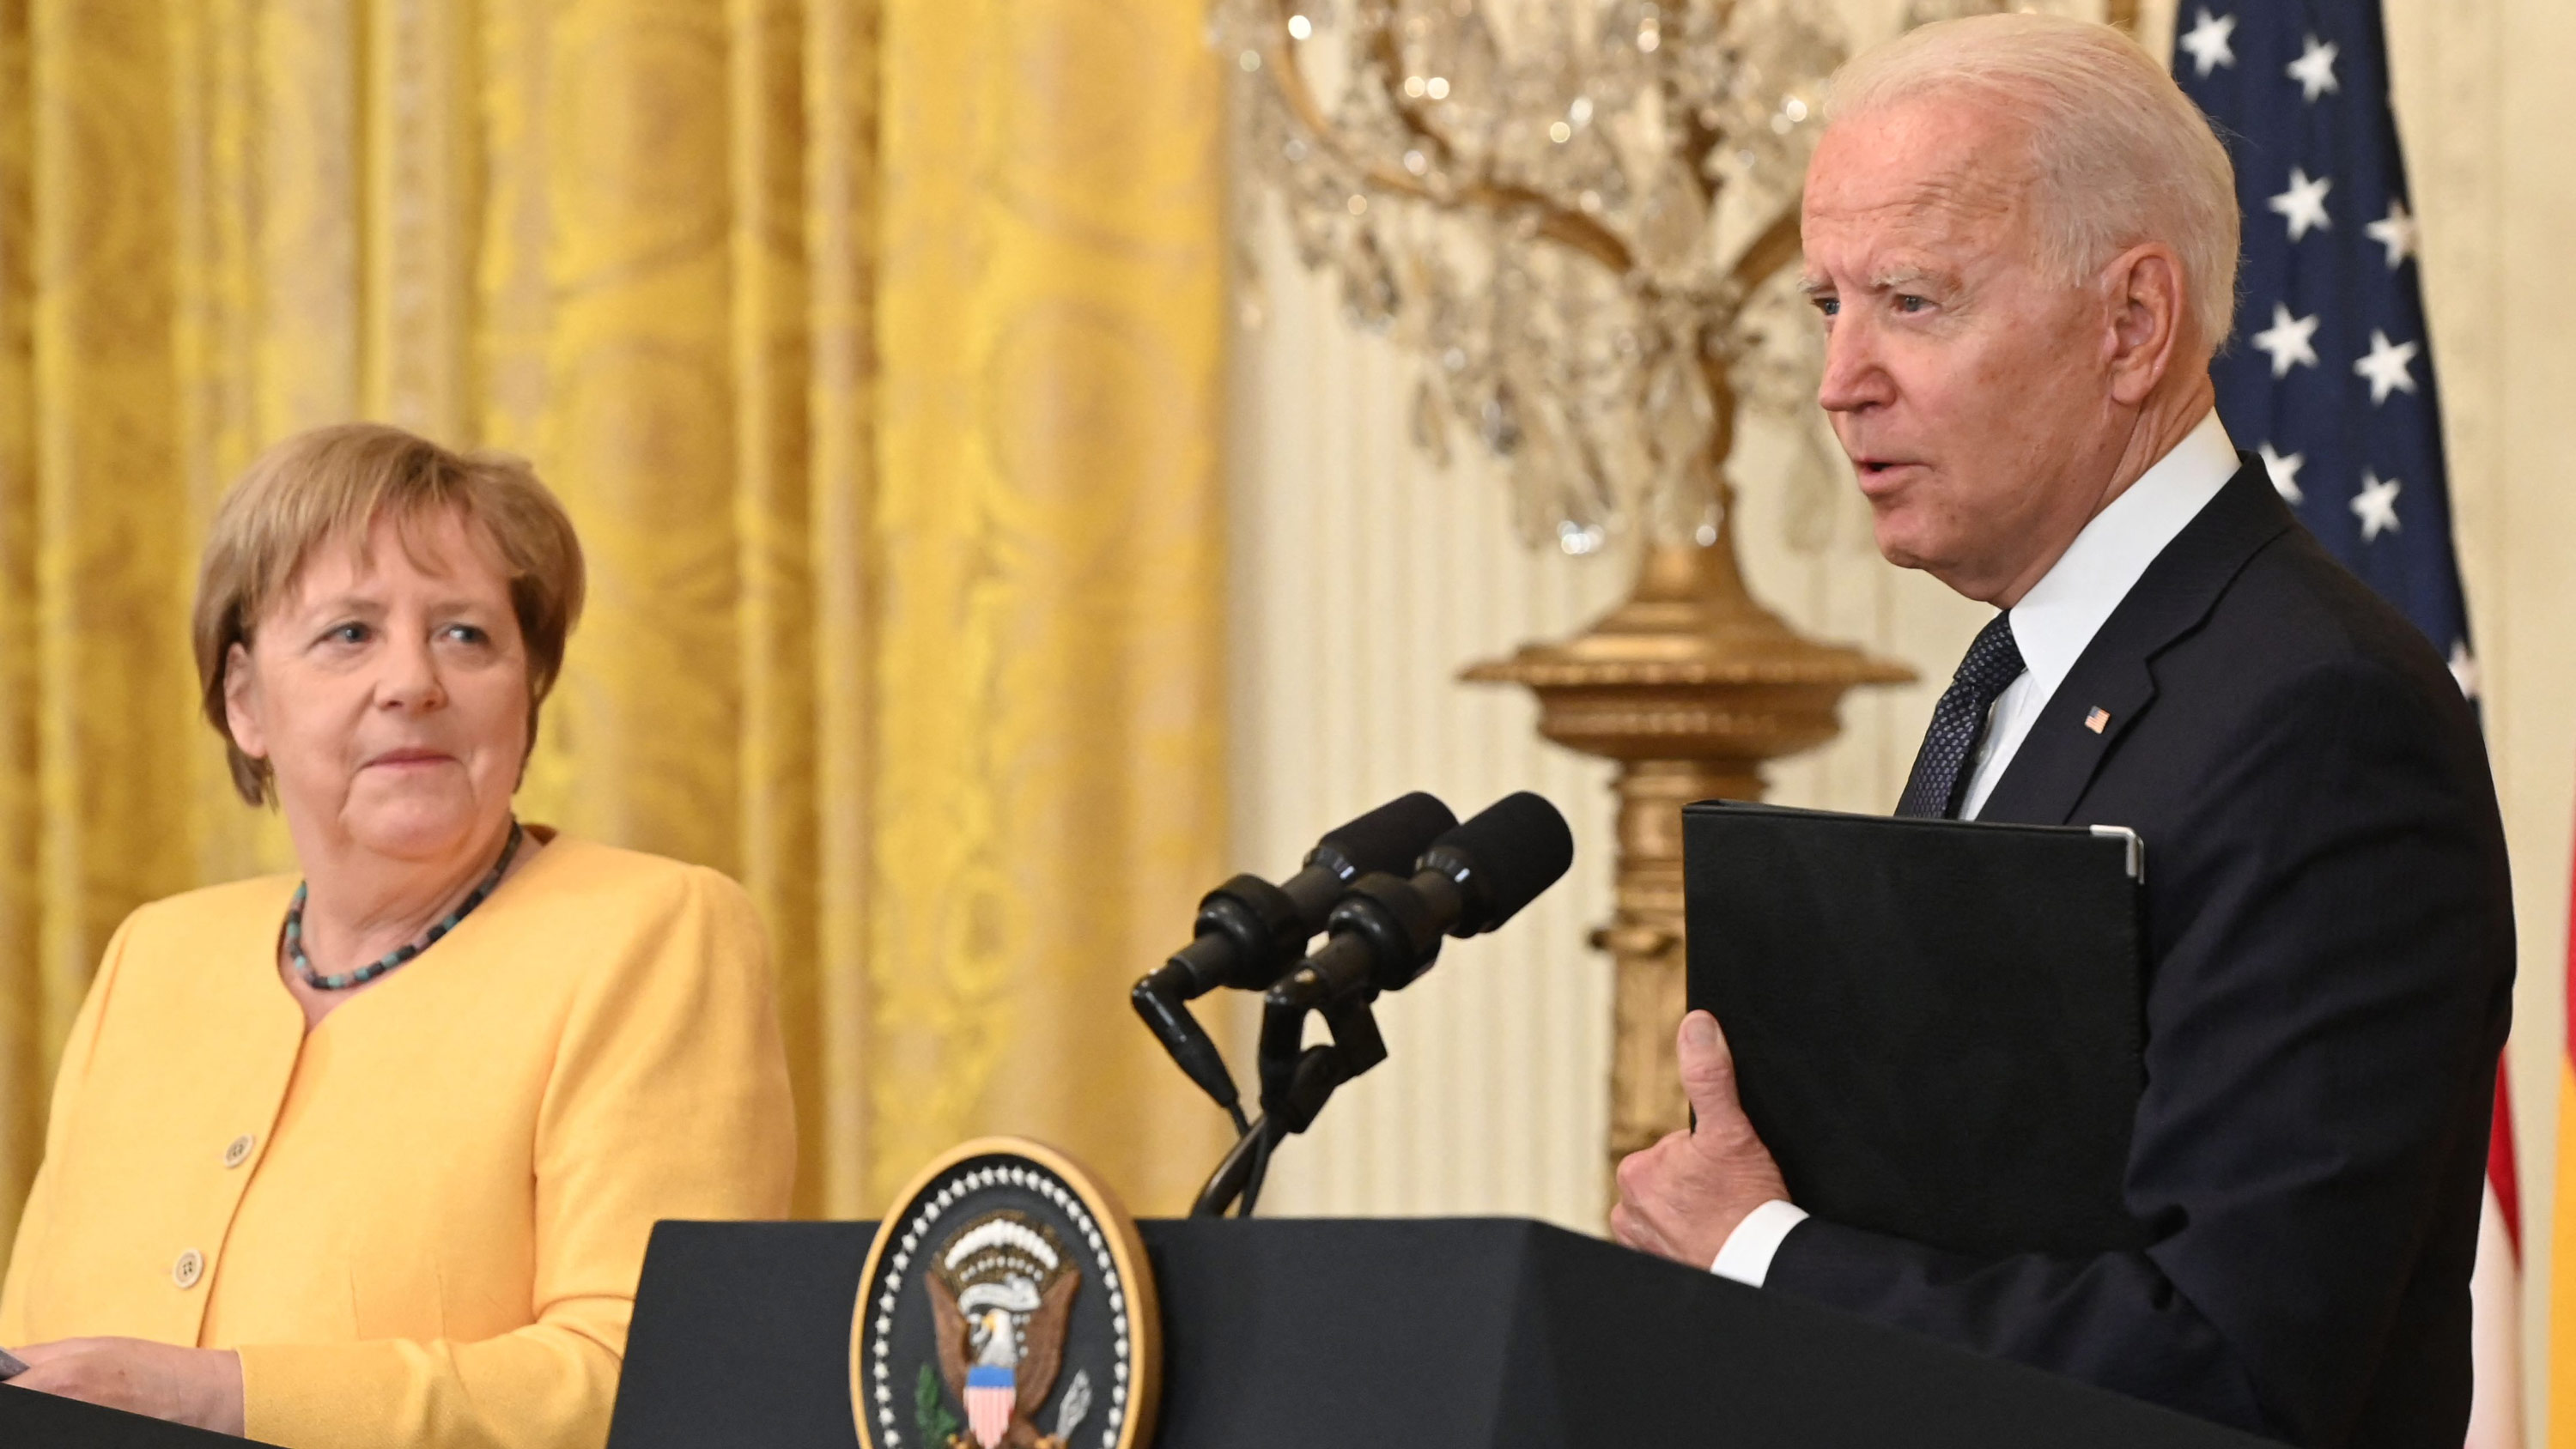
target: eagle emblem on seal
<point>1001,1298</point>
<point>1007,1303</point>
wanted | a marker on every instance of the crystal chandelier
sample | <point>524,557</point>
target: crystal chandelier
<point>1565,211</point>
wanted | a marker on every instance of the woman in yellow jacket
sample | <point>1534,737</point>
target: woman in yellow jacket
<point>369,1159</point>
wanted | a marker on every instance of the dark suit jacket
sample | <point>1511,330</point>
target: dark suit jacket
<point>2330,948</point>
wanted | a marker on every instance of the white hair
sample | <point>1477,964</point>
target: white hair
<point>2120,154</point>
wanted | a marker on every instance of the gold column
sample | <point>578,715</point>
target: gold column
<point>1690,685</point>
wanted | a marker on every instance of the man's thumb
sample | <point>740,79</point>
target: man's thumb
<point>1708,1067</point>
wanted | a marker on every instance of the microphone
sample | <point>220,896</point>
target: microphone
<point>1250,931</point>
<point>1386,931</point>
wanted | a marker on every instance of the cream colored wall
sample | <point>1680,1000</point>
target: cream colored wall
<point>1364,581</point>
<point>1365,577</point>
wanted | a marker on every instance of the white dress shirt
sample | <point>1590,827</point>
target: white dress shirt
<point>2052,625</point>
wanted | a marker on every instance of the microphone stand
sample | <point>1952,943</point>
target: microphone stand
<point>1296,1081</point>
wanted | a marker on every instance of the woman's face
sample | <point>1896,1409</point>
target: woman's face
<point>389,692</point>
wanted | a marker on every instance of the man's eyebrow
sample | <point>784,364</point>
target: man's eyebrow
<point>1894,279</point>
<point>1899,279</point>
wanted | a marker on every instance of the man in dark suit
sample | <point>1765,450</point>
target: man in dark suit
<point>2022,238</point>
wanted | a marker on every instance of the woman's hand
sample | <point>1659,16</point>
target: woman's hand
<point>199,1386</point>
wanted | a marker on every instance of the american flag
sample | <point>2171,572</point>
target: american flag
<point>2330,375</point>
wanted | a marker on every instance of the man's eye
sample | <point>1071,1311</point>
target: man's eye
<point>1908,302</point>
<point>1829,305</point>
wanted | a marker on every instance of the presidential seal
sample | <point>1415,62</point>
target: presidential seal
<point>1006,1302</point>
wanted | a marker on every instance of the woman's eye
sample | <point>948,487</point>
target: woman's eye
<point>347,634</point>
<point>467,634</point>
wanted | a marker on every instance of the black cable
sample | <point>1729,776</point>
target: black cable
<point>1225,1185</point>
<point>1252,1184</point>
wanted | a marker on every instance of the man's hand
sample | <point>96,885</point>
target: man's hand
<point>1683,1196</point>
<point>199,1386</point>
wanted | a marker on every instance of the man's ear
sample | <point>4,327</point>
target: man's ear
<point>241,704</point>
<point>2148,319</point>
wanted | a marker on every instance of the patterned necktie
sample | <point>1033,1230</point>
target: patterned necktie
<point>1940,767</point>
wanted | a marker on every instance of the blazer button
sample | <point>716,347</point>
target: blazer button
<point>237,1151</point>
<point>190,1267</point>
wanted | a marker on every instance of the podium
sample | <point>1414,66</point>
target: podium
<point>1429,1334</point>
<point>31,1418</point>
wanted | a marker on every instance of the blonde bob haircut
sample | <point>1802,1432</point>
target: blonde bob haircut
<point>329,487</point>
<point>2120,155</point>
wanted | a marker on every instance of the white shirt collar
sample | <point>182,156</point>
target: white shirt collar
<point>2063,611</point>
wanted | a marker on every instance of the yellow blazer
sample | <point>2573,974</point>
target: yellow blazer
<point>421,1223</point>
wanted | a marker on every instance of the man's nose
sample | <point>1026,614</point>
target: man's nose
<point>1855,375</point>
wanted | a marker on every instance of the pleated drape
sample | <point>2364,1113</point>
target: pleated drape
<point>1050,645</point>
<point>873,345</point>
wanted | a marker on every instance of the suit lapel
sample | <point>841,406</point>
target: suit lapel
<point>2113,682</point>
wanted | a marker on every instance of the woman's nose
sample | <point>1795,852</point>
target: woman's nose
<point>410,680</point>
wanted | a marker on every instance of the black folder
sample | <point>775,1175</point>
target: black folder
<point>1938,1025</point>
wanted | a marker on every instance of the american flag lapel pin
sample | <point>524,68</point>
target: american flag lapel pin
<point>2099,720</point>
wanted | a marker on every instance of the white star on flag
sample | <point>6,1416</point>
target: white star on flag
<point>2375,505</point>
<point>2304,204</point>
<point>2396,232</point>
<point>2464,667</point>
<point>2314,70</point>
<point>2387,367</point>
<point>2287,339</point>
<point>2207,42</point>
<point>2285,474</point>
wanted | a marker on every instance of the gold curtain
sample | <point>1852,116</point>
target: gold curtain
<point>873,344</point>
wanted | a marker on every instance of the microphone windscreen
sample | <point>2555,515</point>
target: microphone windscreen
<point>1518,846</point>
<point>1388,839</point>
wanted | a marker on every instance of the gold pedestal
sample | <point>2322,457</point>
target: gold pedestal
<point>1690,685</point>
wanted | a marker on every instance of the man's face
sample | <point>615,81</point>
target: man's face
<point>1967,384</point>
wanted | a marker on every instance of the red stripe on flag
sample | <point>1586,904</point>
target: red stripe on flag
<point>2500,1171</point>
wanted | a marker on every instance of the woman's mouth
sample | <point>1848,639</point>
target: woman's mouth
<point>410,758</point>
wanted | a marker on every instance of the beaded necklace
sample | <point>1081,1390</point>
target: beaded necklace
<point>398,955</point>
